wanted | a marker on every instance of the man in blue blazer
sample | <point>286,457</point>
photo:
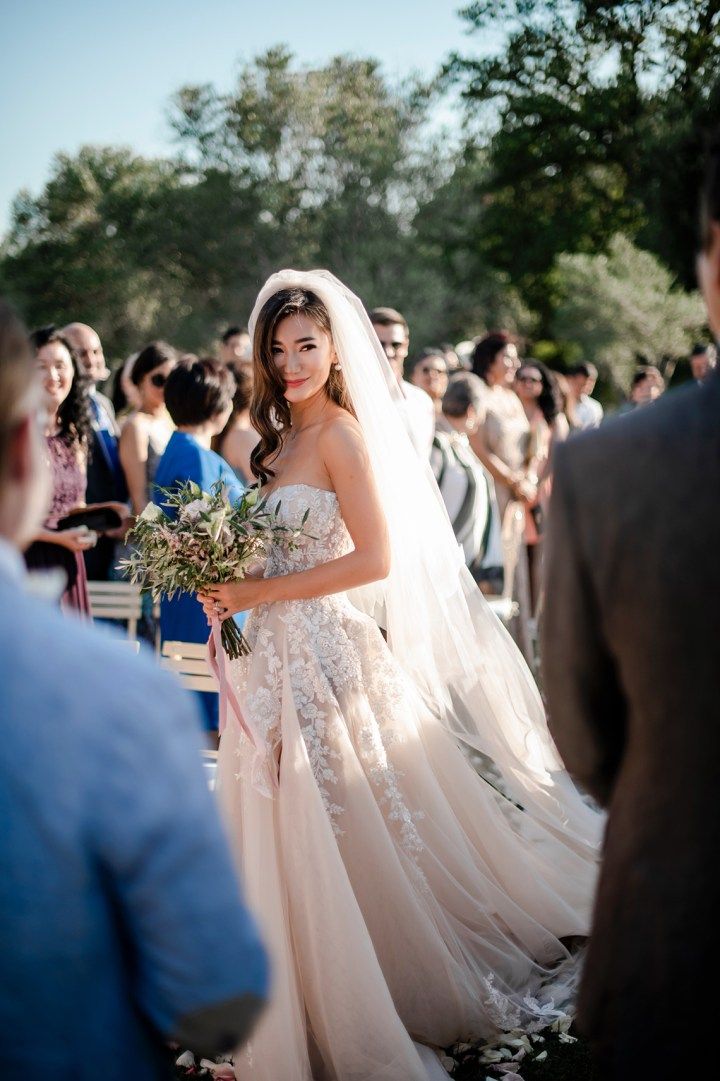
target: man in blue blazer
<point>121,920</point>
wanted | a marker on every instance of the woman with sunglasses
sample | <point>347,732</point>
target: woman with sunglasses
<point>430,372</point>
<point>146,432</point>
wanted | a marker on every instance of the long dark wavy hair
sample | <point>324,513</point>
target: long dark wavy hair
<point>487,349</point>
<point>549,400</point>
<point>74,416</point>
<point>269,409</point>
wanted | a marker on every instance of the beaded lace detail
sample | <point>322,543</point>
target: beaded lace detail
<point>327,651</point>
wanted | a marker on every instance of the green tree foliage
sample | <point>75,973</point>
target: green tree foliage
<point>295,167</point>
<point>582,123</point>
<point>597,114</point>
<point>89,247</point>
<point>622,308</point>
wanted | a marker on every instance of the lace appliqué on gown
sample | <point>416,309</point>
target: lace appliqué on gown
<point>325,656</point>
<point>381,917</point>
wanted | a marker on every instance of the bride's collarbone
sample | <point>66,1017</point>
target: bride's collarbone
<point>292,470</point>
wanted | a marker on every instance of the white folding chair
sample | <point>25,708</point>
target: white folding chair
<point>188,660</point>
<point>120,601</point>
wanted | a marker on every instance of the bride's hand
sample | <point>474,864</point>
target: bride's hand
<point>222,601</point>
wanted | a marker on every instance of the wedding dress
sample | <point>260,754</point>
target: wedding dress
<point>406,902</point>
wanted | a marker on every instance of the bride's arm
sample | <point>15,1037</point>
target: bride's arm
<point>346,460</point>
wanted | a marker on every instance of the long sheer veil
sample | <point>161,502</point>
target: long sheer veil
<point>439,626</point>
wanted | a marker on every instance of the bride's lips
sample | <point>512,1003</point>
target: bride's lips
<point>291,383</point>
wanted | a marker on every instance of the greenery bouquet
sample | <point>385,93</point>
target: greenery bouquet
<point>203,539</point>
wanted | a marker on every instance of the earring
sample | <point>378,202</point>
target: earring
<point>337,366</point>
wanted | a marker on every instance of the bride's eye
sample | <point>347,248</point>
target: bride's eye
<point>310,345</point>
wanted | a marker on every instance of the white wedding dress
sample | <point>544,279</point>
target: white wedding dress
<point>403,899</point>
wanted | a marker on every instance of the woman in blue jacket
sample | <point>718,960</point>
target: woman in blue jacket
<point>198,396</point>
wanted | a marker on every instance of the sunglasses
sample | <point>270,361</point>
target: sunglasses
<point>158,380</point>
<point>528,379</point>
<point>437,371</point>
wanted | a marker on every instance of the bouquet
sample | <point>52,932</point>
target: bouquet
<point>204,540</point>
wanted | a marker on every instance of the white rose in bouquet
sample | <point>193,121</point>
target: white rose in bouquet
<point>151,513</point>
<point>192,511</point>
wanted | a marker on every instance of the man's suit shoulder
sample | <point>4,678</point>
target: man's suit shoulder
<point>624,445</point>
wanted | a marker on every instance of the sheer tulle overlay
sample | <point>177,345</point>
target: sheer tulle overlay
<point>404,900</point>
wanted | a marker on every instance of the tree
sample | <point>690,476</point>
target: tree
<point>297,166</point>
<point>597,113</point>
<point>89,247</point>
<point>623,308</point>
<point>333,159</point>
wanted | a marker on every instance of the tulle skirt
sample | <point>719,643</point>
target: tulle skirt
<point>404,900</point>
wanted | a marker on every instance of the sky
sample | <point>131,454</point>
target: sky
<point>101,71</point>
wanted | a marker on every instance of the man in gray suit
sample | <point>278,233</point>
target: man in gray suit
<point>121,920</point>
<point>631,645</point>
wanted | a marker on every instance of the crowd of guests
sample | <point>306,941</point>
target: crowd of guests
<point>486,419</point>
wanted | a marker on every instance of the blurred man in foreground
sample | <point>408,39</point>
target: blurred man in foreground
<point>633,683</point>
<point>121,921</point>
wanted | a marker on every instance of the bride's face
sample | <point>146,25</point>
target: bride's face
<point>304,354</point>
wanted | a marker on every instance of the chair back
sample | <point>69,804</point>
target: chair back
<point>188,660</point>
<point>120,601</point>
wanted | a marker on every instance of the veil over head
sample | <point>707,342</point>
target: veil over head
<point>440,629</point>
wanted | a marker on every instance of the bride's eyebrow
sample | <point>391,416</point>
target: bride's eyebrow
<point>298,341</point>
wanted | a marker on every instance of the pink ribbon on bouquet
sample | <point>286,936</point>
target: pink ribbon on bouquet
<point>216,659</point>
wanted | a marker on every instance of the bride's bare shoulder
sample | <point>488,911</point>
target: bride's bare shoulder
<point>340,433</point>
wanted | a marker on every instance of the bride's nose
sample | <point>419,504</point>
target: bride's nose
<point>293,362</point>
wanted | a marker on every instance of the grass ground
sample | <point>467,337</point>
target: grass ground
<point>563,1061</point>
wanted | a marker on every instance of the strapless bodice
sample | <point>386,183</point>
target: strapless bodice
<point>325,535</point>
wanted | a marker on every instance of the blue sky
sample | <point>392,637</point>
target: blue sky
<point>76,71</point>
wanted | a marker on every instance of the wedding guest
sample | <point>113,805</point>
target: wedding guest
<point>236,348</point>
<point>467,489</point>
<point>67,428</point>
<point>429,372</point>
<point>198,396</point>
<point>125,397</point>
<point>417,411</point>
<point>121,920</point>
<point>646,386</point>
<point>105,477</point>
<point>501,436</point>
<point>536,387</point>
<point>238,439</point>
<point>146,431</point>
<point>465,350</point>
<point>633,685</point>
<point>702,361</point>
<point>567,421</point>
<point>453,361</point>
<point>582,379</point>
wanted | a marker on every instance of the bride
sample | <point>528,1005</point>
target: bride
<point>407,903</point>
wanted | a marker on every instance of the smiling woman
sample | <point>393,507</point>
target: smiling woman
<point>67,429</point>
<point>294,362</point>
